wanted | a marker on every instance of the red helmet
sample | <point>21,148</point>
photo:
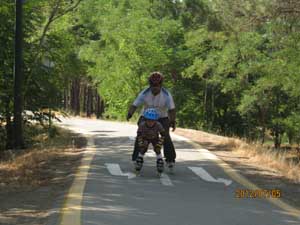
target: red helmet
<point>156,78</point>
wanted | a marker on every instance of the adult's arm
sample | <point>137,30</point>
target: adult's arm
<point>172,118</point>
<point>172,112</point>
<point>161,139</point>
<point>137,102</point>
<point>131,111</point>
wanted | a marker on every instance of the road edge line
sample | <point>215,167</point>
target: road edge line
<point>291,210</point>
<point>71,210</point>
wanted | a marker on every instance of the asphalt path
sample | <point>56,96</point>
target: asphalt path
<point>199,191</point>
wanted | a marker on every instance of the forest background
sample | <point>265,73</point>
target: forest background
<point>233,66</point>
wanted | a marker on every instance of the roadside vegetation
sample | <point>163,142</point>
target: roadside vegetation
<point>39,164</point>
<point>32,180</point>
<point>285,162</point>
<point>232,65</point>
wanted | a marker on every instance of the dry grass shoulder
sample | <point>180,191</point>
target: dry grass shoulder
<point>284,162</point>
<point>31,180</point>
<point>266,167</point>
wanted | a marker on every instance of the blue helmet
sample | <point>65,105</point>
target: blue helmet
<point>151,114</point>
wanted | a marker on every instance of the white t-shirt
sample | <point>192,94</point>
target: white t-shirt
<point>162,102</point>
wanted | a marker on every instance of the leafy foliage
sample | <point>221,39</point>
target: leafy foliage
<point>232,66</point>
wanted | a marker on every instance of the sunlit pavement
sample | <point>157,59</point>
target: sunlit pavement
<point>199,191</point>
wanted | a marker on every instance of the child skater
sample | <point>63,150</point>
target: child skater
<point>150,131</point>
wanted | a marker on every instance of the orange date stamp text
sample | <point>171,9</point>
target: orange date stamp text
<point>258,193</point>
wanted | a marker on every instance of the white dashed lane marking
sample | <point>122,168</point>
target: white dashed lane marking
<point>165,180</point>
<point>204,175</point>
<point>115,170</point>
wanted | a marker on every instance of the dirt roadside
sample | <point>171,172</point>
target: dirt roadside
<point>28,196</point>
<point>262,176</point>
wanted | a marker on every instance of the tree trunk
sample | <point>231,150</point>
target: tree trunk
<point>67,103</point>
<point>84,98</point>
<point>89,102</point>
<point>205,103</point>
<point>98,106</point>
<point>77,97</point>
<point>18,79</point>
<point>263,131</point>
<point>92,100</point>
<point>277,127</point>
<point>72,96</point>
<point>65,99</point>
<point>212,109</point>
<point>102,107</point>
<point>8,126</point>
<point>262,119</point>
<point>277,140</point>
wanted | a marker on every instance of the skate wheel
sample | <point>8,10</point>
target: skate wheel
<point>171,171</point>
<point>138,174</point>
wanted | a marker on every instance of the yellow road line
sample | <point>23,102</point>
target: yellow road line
<point>71,211</point>
<point>248,184</point>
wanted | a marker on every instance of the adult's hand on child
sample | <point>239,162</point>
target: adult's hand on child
<point>131,111</point>
<point>129,115</point>
<point>173,125</point>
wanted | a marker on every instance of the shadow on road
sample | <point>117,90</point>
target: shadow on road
<point>144,200</point>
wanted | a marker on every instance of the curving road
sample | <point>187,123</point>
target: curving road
<point>106,192</point>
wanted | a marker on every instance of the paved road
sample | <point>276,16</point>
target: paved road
<point>199,192</point>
